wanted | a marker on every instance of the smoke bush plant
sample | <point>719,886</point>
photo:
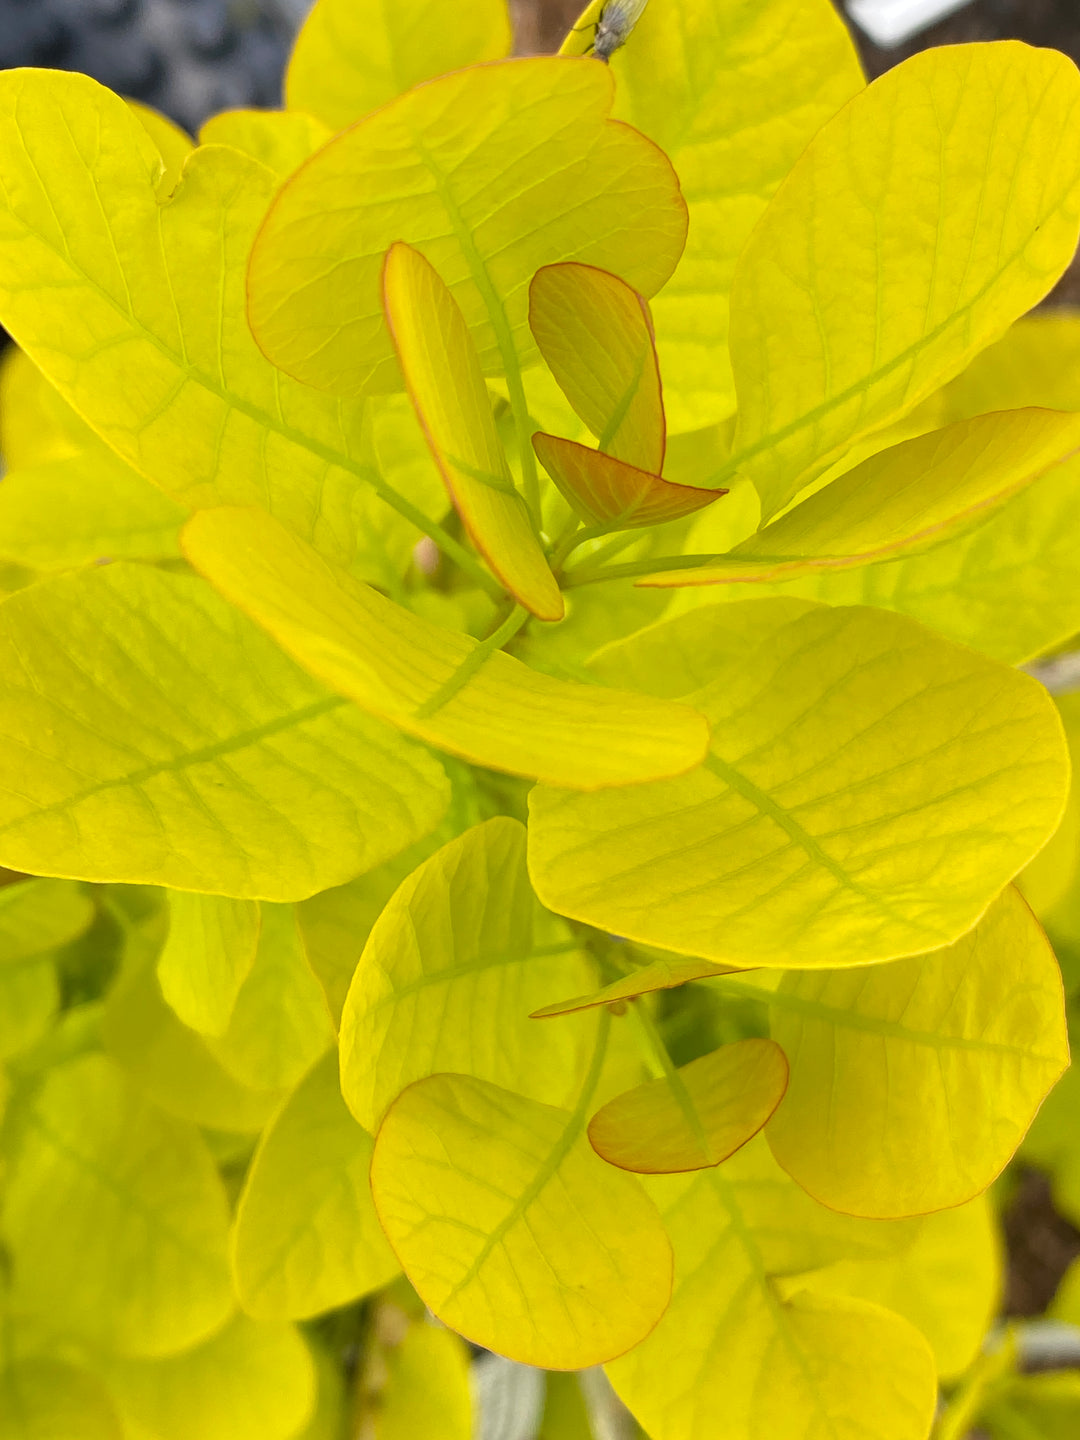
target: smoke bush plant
<point>504,820</point>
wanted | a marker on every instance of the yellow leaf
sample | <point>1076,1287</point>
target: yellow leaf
<point>36,917</point>
<point>110,512</point>
<point>453,965</point>
<point>306,1237</point>
<point>168,373</point>
<point>46,1399</point>
<point>573,186</point>
<point>267,788</point>
<point>842,739</point>
<point>964,160</point>
<point>595,333</point>
<point>442,373</point>
<point>171,1063</point>
<point>36,424</point>
<point>901,500</point>
<point>613,493</point>
<point>207,956</point>
<point>352,56</point>
<point>279,139</point>
<point>946,1279</point>
<point>115,1217</point>
<point>912,1084</point>
<point>700,1117</point>
<point>174,145</point>
<point>496,712</point>
<point>734,1357</point>
<point>494,1204</point>
<point>427,1388</point>
<point>733,93</point>
<point>279,1024</point>
<point>249,1382</point>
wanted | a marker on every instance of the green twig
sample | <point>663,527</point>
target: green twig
<point>472,663</point>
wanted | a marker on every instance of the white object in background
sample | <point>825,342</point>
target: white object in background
<point>891,22</point>
<point>508,1399</point>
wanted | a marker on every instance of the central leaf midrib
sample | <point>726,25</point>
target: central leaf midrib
<point>767,806</point>
<point>872,1025</point>
<point>184,761</point>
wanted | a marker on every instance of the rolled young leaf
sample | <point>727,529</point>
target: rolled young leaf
<point>901,501</point>
<point>445,383</point>
<point>439,685</point>
<point>269,787</point>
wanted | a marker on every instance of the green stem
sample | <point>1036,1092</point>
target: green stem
<point>462,557</point>
<point>472,663</point>
<point>682,1095</point>
<point>588,575</point>
<point>592,1079</point>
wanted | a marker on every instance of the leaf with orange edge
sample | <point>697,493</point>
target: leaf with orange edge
<point>902,501</point>
<point>612,493</point>
<point>493,172</point>
<point>512,1229</point>
<point>595,333</point>
<point>658,975</point>
<point>446,385</point>
<point>698,1116</point>
<point>455,692</point>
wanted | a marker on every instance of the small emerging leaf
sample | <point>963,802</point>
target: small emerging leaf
<point>443,376</point>
<point>657,975</point>
<point>595,333</point>
<point>493,1204</point>
<point>497,713</point>
<point>714,1106</point>
<point>612,493</point>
